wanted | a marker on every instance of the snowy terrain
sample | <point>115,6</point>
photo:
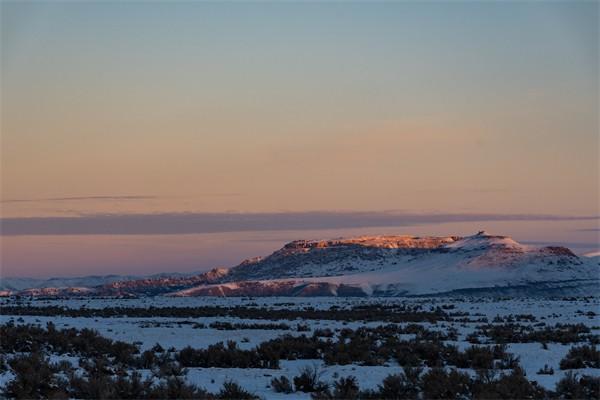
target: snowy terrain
<point>364,266</point>
<point>359,307</point>
<point>181,332</point>
<point>401,265</point>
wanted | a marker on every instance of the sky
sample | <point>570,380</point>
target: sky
<point>141,137</point>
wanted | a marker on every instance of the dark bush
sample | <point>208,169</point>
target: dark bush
<point>509,386</point>
<point>176,388</point>
<point>282,385</point>
<point>479,357</point>
<point>3,364</point>
<point>346,388</point>
<point>581,357</point>
<point>401,386</point>
<point>85,342</point>
<point>546,370</point>
<point>97,383</point>
<point>517,333</point>
<point>217,355</point>
<point>392,313</point>
<point>323,333</point>
<point>288,347</point>
<point>132,387</point>
<point>232,391</point>
<point>228,326</point>
<point>148,359</point>
<point>157,348</point>
<point>439,384</point>
<point>572,387</point>
<point>34,379</point>
<point>309,380</point>
<point>343,389</point>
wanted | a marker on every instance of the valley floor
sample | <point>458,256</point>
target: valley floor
<point>462,322</point>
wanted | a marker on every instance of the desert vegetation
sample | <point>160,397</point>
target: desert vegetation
<point>416,349</point>
<point>396,313</point>
<point>431,368</point>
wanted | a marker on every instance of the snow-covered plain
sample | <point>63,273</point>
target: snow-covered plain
<point>181,332</point>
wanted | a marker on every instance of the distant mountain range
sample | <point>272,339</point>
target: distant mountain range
<point>360,266</point>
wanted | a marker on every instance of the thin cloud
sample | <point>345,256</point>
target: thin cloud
<point>190,223</point>
<point>79,198</point>
<point>110,198</point>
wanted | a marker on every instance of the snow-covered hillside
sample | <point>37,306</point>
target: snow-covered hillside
<point>404,265</point>
<point>16,284</point>
<point>372,265</point>
<point>9,284</point>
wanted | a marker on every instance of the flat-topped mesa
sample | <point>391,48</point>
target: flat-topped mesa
<point>300,253</point>
<point>407,265</point>
<point>388,242</point>
<point>385,265</point>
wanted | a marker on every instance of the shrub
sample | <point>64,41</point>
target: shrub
<point>309,380</point>
<point>581,357</point>
<point>157,348</point>
<point>392,313</point>
<point>232,391</point>
<point>63,366</point>
<point>282,385</point>
<point>439,384</point>
<point>508,361</point>
<point>572,387</point>
<point>346,388</point>
<point>343,389</point>
<point>85,342</point>
<point>217,355</point>
<point>473,338</point>
<point>516,333</point>
<point>509,386</point>
<point>3,365</point>
<point>133,387</point>
<point>290,347</point>
<point>147,359</point>
<point>546,370</point>
<point>176,388</point>
<point>34,378</point>
<point>323,333</point>
<point>96,384</point>
<point>401,386</point>
<point>480,357</point>
<point>590,387</point>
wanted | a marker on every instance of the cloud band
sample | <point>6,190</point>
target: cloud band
<point>190,223</point>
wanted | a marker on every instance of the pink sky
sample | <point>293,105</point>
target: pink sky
<point>151,108</point>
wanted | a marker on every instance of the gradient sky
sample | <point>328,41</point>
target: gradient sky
<point>163,108</point>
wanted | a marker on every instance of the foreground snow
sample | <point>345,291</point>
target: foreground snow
<point>181,332</point>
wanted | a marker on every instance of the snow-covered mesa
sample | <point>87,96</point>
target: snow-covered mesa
<point>379,266</point>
